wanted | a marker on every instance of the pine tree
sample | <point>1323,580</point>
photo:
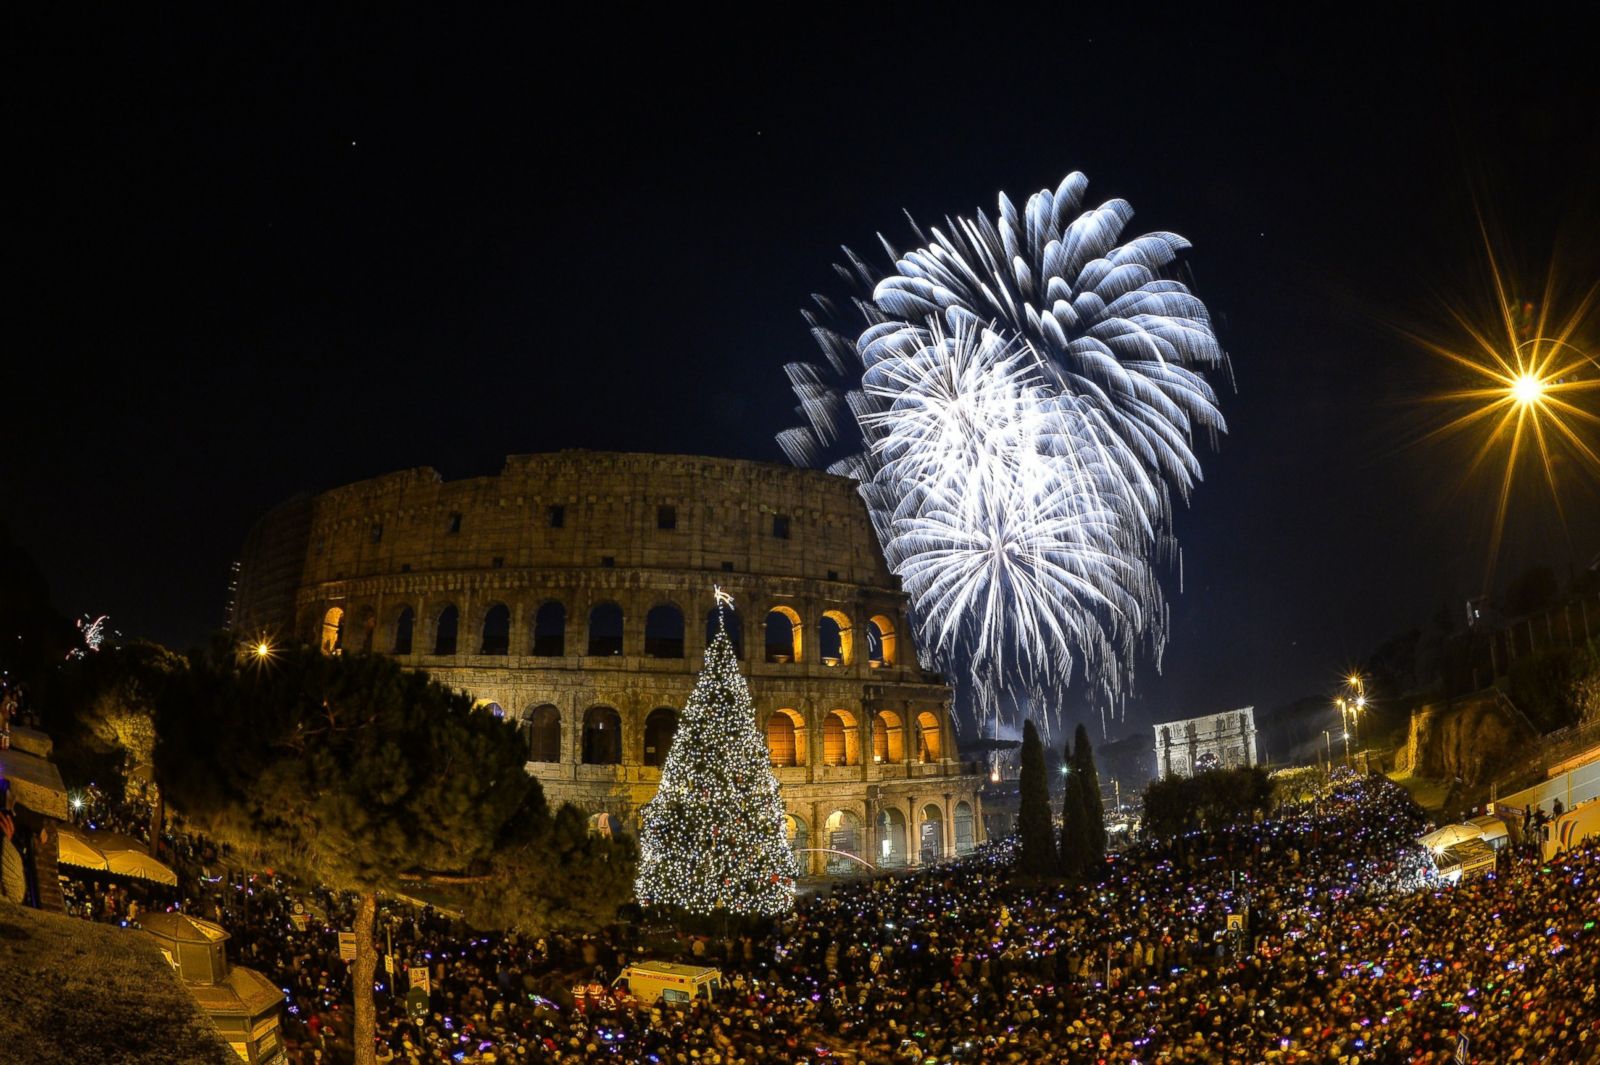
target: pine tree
<point>1093,806</point>
<point>714,833</point>
<point>1034,829</point>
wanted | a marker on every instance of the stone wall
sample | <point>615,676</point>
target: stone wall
<point>1473,738</point>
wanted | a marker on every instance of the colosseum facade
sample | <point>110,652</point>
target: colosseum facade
<point>573,593</point>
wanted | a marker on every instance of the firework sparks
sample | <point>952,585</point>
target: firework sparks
<point>1019,408</point>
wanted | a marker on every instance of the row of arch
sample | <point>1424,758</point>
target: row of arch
<point>842,840</point>
<point>600,742</point>
<point>894,840</point>
<point>783,633</point>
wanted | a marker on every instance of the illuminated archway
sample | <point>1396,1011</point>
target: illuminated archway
<point>964,825</point>
<point>931,834</point>
<point>888,738</point>
<point>835,640</point>
<point>842,832</point>
<point>930,737</point>
<point>784,635</point>
<point>798,833</point>
<point>786,738</point>
<point>841,739</point>
<point>333,631</point>
<point>892,837</point>
<point>880,642</point>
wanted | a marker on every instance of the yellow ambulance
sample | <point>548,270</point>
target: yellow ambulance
<point>652,981</point>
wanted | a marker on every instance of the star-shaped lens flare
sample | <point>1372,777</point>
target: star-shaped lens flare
<point>1532,379</point>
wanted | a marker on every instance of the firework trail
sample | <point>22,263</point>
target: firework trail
<point>1020,406</point>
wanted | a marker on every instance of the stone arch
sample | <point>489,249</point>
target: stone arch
<point>881,640</point>
<point>445,624</point>
<point>786,738</point>
<point>332,640</point>
<point>663,631</point>
<point>798,833</point>
<point>841,831</point>
<point>493,708</point>
<point>892,837</point>
<point>930,737</point>
<point>550,629</point>
<point>605,629</point>
<point>965,839</point>
<point>405,624</point>
<point>659,728</point>
<point>835,639</point>
<point>730,621</point>
<point>784,634</point>
<point>495,637</point>
<point>602,736</point>
<point>888,738</point>
<point>930,834</point>
<point>541,726</point>
<point>841,738</point>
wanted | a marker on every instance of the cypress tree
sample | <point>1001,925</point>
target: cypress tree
<point>1094,809</point>
<point>1076,859</point>
<point>1034,829</point>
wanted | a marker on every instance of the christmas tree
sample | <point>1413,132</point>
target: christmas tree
<point>714,834</point>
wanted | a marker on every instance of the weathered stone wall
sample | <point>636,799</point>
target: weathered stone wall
<point>1473,738</point>
<point>411,546</point>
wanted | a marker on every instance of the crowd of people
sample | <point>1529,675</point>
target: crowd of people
<point>1319,934</point>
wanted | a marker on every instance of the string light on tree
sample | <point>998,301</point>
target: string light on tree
<point>713,836</point>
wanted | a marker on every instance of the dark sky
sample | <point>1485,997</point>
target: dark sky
<point>288,254</point>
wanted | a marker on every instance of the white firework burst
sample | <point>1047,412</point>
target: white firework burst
<point>1026,392</point>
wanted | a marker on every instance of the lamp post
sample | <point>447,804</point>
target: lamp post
<point>1352,706</point>
<point>1327,741</point>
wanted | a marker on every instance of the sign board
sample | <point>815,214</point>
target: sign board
<point>347,946</point>
<point>388,964</point>
<point>1236,922</point>
<point>419,979</point>
<point>300,921</point>
<point>1461,1050</point>
<point>417,1002</point>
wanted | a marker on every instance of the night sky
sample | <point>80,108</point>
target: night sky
<point>286,255</point>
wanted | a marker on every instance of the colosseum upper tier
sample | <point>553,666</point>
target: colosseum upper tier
<point>573,591</point>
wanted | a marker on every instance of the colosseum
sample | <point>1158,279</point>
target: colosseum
<point>573,592</point>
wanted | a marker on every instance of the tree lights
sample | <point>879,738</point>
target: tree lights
<point>713,836</point>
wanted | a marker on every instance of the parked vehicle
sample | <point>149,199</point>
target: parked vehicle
<point>651,981</point>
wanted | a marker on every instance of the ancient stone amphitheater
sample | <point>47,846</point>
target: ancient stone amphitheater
<point>573,593</point>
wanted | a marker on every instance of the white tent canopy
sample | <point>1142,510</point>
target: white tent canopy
<point>1449,836</point>
<point>77,851</point>
<point>110,853</point>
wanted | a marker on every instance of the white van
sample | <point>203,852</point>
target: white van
<point>651,981</point>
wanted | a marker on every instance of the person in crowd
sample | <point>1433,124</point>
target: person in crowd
<point>1351,950</point>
